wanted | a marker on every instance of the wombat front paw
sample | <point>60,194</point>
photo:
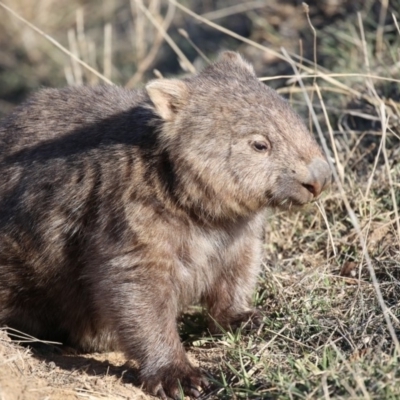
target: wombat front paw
<point>172,380</point>
<point>248,320</point>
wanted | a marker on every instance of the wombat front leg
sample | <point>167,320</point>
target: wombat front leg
<point>142,308</point>
<point>229,300</point>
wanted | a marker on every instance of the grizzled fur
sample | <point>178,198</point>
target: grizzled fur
<point>120,208</point>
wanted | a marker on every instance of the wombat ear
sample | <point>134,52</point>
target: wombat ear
<point>168,96</point>
<point>236,59</point>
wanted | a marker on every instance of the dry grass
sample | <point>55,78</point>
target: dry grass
<point>330,286</point>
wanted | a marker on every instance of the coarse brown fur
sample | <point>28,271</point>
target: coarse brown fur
<point>120,208</point>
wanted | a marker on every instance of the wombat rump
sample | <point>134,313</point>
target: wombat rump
<point>119,208</point>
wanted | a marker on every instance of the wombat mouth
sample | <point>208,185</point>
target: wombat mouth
<point>289,204</point>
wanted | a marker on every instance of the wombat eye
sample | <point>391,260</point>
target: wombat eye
<point>260,146</point>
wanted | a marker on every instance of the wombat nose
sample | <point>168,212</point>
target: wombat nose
<point>319,177</point>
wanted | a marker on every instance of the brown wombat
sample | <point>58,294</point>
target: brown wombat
<point>119,208</point>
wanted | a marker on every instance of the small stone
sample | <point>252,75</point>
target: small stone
<point>366,339</point>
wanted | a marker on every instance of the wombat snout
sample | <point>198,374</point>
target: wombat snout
<point>319,177</point>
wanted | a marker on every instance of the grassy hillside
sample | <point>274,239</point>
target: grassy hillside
<point>330,284</point>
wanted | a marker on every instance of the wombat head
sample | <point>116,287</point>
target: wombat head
<point>235,144</point>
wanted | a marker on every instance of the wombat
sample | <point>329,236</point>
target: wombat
<point>119,208</point>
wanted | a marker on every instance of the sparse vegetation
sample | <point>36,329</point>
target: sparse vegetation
<point>330,287</point>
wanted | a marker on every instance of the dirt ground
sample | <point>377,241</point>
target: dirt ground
<point>46,372</point>
<point>32,375</point>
